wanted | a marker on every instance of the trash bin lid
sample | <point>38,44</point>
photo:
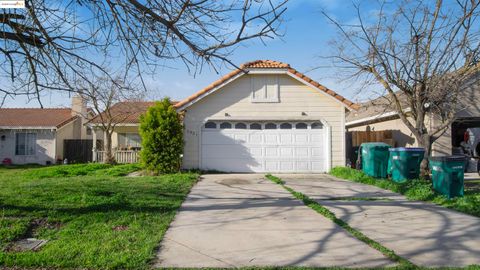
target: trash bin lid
<point>374,145</point>
<point>448,158</point>
<point>407,149</point>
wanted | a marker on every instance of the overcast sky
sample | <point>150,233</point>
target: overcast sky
<point>306,37</point>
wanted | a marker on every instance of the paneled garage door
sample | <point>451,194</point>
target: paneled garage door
<point>264,147</point>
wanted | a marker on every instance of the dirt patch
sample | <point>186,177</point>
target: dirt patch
<point>28,242</point>
<point>43,223</point>
<point>120,228</point>
<point>136,174</point>
<point>234,181</point>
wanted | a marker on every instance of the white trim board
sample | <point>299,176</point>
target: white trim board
<point>375,117</point>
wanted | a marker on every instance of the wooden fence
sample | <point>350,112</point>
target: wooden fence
<point>359,137</point>
<point>126,156</point>
<point>77,151</point>
<point>355,138</point>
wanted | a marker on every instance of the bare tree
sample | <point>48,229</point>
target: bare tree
<point>51,44</point>
<point>421,53</point>
<point>103,96</point>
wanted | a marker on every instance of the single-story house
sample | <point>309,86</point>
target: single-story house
<point>378,115</point>
<point>35,135</point>
<point>126,141</point>
<point>263,117</point>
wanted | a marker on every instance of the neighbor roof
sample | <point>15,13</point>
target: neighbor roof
<point>35,117</point>
<point>126,112</point>
<point>266,64</point>
<point>375,110</point>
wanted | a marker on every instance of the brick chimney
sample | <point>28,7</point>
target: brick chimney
<point>79,106</point>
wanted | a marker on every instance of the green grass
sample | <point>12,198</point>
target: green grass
<point>330,215</point>
<point>417,189</point>
<point>91,215</point>
<point>81,169</point>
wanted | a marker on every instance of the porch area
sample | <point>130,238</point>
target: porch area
<point>121,156</point>
<point>126,144</point>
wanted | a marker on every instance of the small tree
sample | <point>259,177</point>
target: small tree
<point>102,96</point>
<point>162,138</point>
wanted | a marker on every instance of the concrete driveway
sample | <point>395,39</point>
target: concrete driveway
<point>245,220</point>
<point>424,233</point>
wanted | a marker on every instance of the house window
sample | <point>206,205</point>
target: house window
<point>25,144</point>
<point>286,126</point>
<point>255,126</point>
<point>210,125</point>
<point>301,126</point>
<point>270,126</point>
<point>317,125</point>
<point>225,125</point>
<point>89,131</point>
<point>129,140</point>
<point>240,126</point>
<point>265,88</point>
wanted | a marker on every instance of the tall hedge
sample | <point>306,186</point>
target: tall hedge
<point>162,138</point>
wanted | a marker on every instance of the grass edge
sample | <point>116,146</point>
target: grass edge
<point>317,207</point>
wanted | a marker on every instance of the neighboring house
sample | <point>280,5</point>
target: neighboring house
<point>377,115</point>
<point>265,117</point>
<point>126,141</point>
<point>34,135</point>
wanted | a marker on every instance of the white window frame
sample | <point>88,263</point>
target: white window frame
<point>127,139</point>
<point>264,98</point>
<point>27,145</point>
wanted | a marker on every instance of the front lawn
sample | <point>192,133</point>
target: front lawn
<point>416,190</point>
<point>92,215</point>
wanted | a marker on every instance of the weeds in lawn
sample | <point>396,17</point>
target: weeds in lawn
<point>92,217</point>
<point>416,189</point>
<point>97,169</point>
<point>330,215</point>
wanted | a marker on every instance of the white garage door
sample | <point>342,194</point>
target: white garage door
<point>264,147</point>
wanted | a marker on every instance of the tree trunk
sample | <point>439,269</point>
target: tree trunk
<point>109,158</point>
<point>425,142</point>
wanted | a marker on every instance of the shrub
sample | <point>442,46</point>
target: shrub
<point>162,138</point>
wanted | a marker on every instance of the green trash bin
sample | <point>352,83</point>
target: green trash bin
<point>404,163</point>
<point>375,159</point>
<point>447,175</point>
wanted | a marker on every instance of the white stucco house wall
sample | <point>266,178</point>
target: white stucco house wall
<point>35,135</point>
<point>265,117</point>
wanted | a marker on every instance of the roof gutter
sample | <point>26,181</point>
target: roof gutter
<point>27,127</point>
<point>375,117</point>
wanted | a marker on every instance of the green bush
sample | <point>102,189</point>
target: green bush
<point>162,138</point>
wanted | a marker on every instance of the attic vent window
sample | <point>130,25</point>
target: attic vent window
<point>265,88</point>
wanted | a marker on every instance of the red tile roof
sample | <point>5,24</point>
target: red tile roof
<point>126,112</point>
<point>265,64</point>
<point>35,117</point>
<point>261,64</point>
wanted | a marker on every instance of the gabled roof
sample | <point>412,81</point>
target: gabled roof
<point>265,64</point>
<point>35,117</point>
<point>126,112</point>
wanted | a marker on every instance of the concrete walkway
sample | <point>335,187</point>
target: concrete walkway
<point>425,234</point>
<point>244,220</point>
